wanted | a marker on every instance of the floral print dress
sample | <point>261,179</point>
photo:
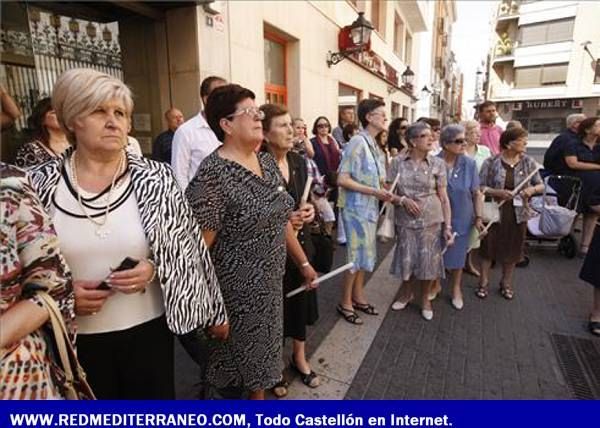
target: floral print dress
<point>29,260</point>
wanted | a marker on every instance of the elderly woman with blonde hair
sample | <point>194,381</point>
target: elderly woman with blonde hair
<point>140,266</point>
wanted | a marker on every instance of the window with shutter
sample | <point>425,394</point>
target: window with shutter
<point>528,77</point>
<point>534,34</point>
<point>554,74</point>
<point>560,31</point>
<point>398,36</point>
<point>547,32</point>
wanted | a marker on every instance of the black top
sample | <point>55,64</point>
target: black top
<point>583,152</point>
<point>554,158</point>
<point>161,149</point>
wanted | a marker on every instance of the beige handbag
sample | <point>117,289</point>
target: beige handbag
<point>491,212</point>
<point>72,383</point>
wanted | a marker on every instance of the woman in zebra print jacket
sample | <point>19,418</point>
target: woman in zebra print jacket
<point>108,205</point>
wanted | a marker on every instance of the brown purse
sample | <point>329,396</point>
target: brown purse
<point>70,376</point>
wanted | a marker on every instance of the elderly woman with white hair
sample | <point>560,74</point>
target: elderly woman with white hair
<point>465,201</point>
<point>479,153</point>
<point>474,150</point>
<point>140,266</point>
<point>423,218</point>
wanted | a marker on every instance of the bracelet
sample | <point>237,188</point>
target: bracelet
<point>305,264</point>
<point>401,200</point>
<point>153,270</point>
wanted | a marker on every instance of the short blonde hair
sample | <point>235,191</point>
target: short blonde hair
<point>469,124</point>
<point>80,91</point>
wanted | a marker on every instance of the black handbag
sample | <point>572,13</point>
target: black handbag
<point>322,260</point>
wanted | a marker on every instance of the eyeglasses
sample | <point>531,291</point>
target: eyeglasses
<point>459,141</point>
<point>253,112</point>
<point>322,125</point>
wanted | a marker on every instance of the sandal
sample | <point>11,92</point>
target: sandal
<point>280,389</point>
<point>506,292</point>
<point>482,291</point>
<point>594,327</point>
<point>349,315</point>
<point>309,379</point>
<point>365,307</point>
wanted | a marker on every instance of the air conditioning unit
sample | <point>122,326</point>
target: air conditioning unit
<point>577,104</point>
<point>517,106</point>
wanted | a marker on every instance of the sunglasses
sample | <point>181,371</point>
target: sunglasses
<point>459,141</point>
<point>404,128</point>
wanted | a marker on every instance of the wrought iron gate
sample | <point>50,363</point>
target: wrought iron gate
<point>33,58</point>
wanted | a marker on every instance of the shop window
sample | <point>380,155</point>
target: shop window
<point>597,75</point>
<point>549,125</point>
<point>275,69</point>
<point>547,32</point>
<point>347,95</point>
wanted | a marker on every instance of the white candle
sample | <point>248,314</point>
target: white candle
<point>322,278</point>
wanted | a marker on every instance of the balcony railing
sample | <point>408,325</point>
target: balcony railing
<point>508,8</point>
<point>504,46</point>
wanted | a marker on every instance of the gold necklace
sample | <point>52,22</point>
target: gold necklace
<point>101,232</point>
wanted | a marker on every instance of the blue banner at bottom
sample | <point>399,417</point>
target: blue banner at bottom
<point>248,414</point>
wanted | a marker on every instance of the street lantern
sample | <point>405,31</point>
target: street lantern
<point>408,77</point>
<point>351,39</point>
<point>360,30</point>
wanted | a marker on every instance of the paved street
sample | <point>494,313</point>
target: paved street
<point>492,349</point>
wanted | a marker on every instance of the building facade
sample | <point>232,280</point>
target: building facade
<point>440,80</point>
<point>543,65</point>
<point>163,50</point>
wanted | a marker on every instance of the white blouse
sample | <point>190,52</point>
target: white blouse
<point>90,255</point>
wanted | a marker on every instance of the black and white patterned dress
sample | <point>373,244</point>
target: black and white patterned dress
<point>249,214</point>
<point>32,154</point>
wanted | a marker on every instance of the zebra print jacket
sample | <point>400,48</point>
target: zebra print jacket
<point>183,266</point>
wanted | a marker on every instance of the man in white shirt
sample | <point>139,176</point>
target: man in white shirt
<point>194,140</point>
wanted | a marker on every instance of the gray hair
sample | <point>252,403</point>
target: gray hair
<point>449,133</point>
<point>415,130</point>
<point>572,118</point>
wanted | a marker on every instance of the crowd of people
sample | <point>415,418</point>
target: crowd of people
<point>238,207</point>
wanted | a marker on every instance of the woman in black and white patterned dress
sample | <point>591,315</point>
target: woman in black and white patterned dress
<point>241,202</point>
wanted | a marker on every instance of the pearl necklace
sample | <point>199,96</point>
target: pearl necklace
<point>101,232</point>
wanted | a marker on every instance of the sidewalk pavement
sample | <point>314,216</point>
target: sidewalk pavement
<point>492,349</point>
